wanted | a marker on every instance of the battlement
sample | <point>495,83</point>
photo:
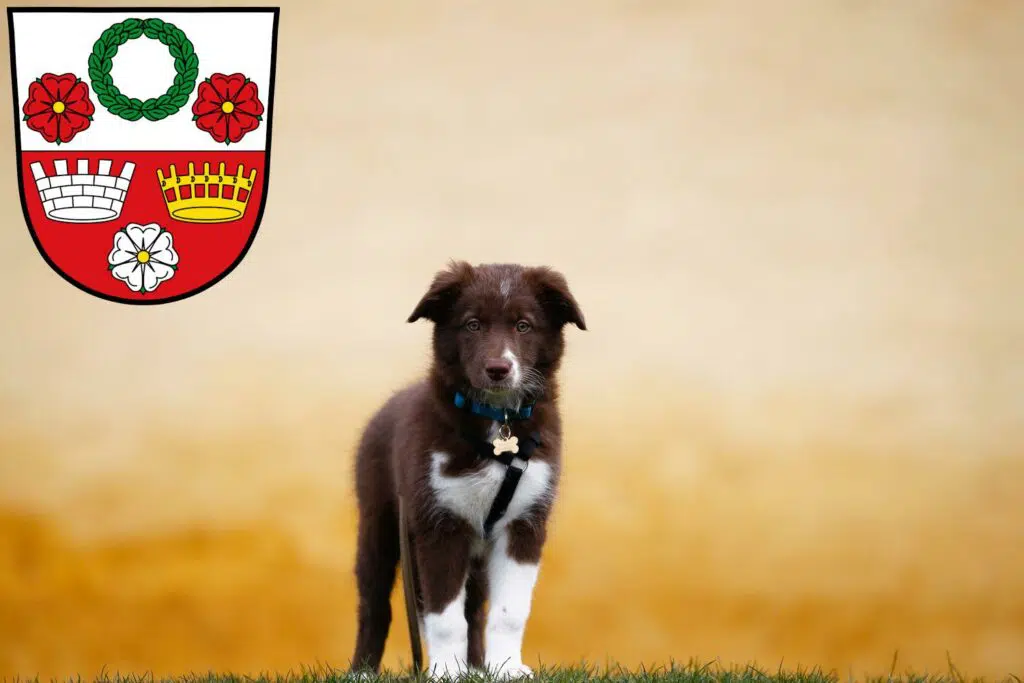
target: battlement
<point>84,196</point>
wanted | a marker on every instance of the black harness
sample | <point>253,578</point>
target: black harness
<point>515,463</point>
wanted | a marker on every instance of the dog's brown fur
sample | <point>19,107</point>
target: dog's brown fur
<point>394,456</point>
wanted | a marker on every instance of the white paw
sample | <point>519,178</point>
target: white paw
<point>510,670</point>
<point>449,668</point>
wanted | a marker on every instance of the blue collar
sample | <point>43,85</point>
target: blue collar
<point>493,412</point>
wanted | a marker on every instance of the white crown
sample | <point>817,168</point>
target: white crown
<point>83,197</point>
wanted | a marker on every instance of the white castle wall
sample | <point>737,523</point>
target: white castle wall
<point>83,197</point>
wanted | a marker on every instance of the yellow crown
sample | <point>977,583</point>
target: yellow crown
<point>219,202</point>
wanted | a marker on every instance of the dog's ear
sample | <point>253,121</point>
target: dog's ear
<point>443,292</point>
<point>554,295</point>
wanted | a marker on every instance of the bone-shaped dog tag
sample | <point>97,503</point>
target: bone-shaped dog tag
<point>509,445</point>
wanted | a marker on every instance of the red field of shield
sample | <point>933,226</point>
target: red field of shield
<point>80,249</point>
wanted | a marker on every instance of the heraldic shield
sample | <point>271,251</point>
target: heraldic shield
<point>143,142</point>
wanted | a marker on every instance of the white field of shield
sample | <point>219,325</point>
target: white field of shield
<point>61,42</point>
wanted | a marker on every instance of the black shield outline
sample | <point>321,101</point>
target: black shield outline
<point>269,118</point>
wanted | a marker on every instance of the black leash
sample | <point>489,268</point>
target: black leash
<point>409,583</point>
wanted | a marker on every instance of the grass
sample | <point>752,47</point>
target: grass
<point>711,672</point>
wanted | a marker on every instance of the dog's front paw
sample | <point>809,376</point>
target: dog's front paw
<point>447,668</point>
<point>509,670</point>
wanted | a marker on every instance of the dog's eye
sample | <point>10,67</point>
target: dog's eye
<point>473,325</point>
<point>523,327</point>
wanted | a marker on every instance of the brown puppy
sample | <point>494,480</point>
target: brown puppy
<point>441,445</point>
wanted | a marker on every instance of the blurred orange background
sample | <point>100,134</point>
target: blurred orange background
<point>795,428</point>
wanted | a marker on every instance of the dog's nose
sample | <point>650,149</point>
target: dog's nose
<point>498,370</point>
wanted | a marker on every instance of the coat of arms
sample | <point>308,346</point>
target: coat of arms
<point>143,142</point>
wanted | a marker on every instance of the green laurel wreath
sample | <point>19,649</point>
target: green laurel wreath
<point>186,68</point>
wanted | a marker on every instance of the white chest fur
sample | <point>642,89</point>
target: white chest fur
<point>470,495</point>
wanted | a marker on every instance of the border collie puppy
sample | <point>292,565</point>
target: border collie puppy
<point>473,452</point>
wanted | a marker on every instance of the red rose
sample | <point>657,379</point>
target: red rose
<point>58,107</point>
<point>227,107</point>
